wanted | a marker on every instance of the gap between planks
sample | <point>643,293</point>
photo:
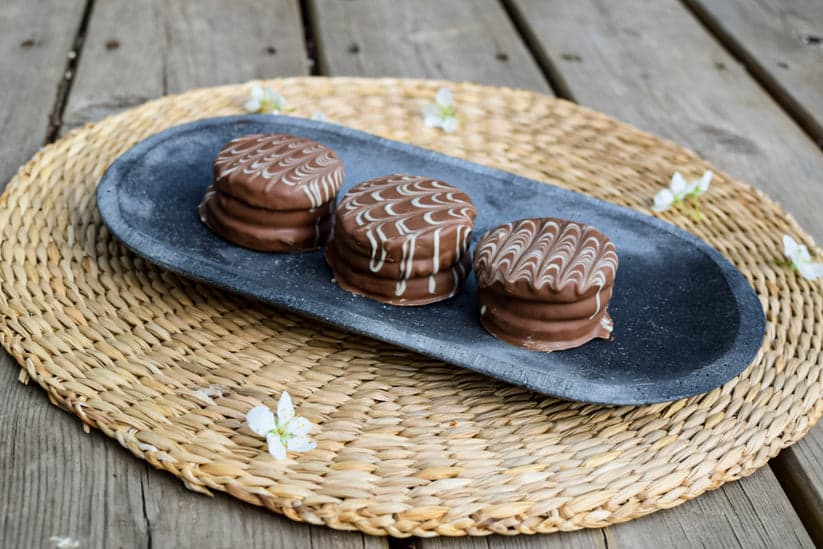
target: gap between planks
<point>309,40</point>
<point>757,70</point>
<point>529,38</point>
<point>64,87</point>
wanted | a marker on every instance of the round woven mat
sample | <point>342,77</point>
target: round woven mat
<point>406,445</point>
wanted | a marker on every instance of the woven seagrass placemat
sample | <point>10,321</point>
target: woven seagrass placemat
<point>406,445</point>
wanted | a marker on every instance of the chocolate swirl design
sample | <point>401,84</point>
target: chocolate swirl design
<point>273,193</point>
<point>402,229</point>
<point>545,283</point>
<point>278,171</point>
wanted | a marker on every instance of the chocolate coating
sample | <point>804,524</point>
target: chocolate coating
<point>278,172</point>
<point>402,239</point>
<point>545,284</point>
<point>273,193</point>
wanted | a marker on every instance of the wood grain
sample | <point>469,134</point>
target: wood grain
<point>460,40</point>
<point>58,481</point>
<point>171,46</point>
<point>163,50</point>
<point>749,513</point>
<point>781,43</point>
<point>631,64</point>
<point>800,470</point>
<point>583,539</point>
<point>701,97</point>
<point>650,63</point>
<point>35,39</point>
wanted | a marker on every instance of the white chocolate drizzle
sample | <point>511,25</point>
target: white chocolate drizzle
<point>408,207</point>
<point>281,159</point>
<point>547,253</point>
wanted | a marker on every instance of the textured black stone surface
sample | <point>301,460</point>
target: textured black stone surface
<point>685,319</point>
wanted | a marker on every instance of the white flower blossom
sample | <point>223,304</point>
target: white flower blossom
<point>285,432</point>
<point>319,116</point>
<point>441,114</point>
<point>800,259</point>
<point>61,542</point>
<point>265,100</point>
<point>680,189</point>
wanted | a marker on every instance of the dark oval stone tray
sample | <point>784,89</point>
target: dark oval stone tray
<point>686,321</point>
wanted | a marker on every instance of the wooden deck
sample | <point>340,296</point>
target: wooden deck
<point>740,81</point>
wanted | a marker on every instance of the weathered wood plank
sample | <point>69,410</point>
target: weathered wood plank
<point>57,480</point>
<point>800,470</point>
<point>35,38</point>
<point>171,46</point>
<point>180,519</point>
<point>334,42</point>
<point>742,514</point>
<point>582,539</point>
<point>456,40</point>
<point>781,44</point>
<point>652,64</point>
<point>749,513</point>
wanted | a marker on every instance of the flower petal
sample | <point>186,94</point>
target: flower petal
<point>432,121</point>
<point>257,92</point>
<point>795,251</point>
<point>260,420</point>
<point>299,426</point>
<point>678,184</point>
<point>450,124</point>
<point>789,246</point>
<point>809,270</point>
<point>285,409</point>
<point>252,105</point>
<point>301,444</point>
<point>663,200</point>
<point>319,116</point>
<point>431,110</point>
<point>816,270</point>
<point>444,97</point>
<point>276,448</point>
<point>705,181</point>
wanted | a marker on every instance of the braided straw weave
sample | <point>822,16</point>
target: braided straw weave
<point>406,445</point>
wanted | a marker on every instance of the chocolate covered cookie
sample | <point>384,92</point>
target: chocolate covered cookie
<point>402,239</point>
<point>273,193</point>
<point>545,284</point>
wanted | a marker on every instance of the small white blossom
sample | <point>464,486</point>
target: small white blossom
<point>285,432</point>
<point>319,116</point>
<point>265,100</point>
<point>800,259</point>
<point>206,393</point>
<point>64,542</point>
<point>441,114</point>
<point>680,189</point>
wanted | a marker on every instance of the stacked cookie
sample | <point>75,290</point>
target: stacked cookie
<point>273,193</point>
<point>402,239</point>
<point>545,284</point>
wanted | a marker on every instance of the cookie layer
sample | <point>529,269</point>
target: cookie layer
<point>545,284</point>
<point>273,193</point>
<point>402,239</point>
